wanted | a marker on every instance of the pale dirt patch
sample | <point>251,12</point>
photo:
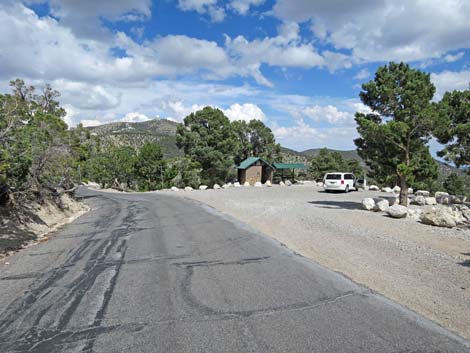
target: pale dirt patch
<point>422,267</point>
<point>34,223</point>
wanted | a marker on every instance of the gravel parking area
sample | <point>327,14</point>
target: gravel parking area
<point>422,267</point>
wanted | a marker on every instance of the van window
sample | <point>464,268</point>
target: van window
<point>333,177</point>
<point>348,176</point>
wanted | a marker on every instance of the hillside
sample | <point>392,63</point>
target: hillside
<point>137,134</point>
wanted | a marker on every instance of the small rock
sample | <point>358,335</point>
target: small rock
<point>410,191</point>
<point>440,193</point>
<point>226,186</point>
<point>188,188</point>
<point>368,203</point>
<point>174,188</point>
<point>422,193</point>
<point>258,184</point>
<point>237,184</point>
<point>203,187</point>
<point>443,199</point>
<point>281,183</point>
<point>392,200</point>
<point>320,184</point>
<point>288,183</point>
<point>374,188</point>
<point>381,205</point>
<point>246,183</point>
<point>419,200</point>
<point>430,201</point>
<point>387,189</point>
<point>216,187</point>
<point>396,189</point>
<point>7,263</point>
<point>458,199</point>
<point>397,211</point>
<point>268,183</point>
<point>439,217</point>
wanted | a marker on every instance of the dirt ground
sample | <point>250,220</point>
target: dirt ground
<point>422,267</point>
<point>31,224</point>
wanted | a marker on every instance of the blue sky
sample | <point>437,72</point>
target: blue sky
<point>295,64</point>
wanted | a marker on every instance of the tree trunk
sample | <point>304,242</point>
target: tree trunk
<point>403,192</point>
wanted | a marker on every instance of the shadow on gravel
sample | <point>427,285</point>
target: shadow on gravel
<point>465,263</point>
<point>347,205</point>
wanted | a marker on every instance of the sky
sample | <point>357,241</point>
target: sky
<point>297,65</point>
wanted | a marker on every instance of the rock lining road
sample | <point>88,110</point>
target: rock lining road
<point>153,273</point>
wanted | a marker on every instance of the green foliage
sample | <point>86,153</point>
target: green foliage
<point>453,127</point>
<point>151,169</point>
<point>326,162</point>
<point>393,137</point>
<point>255,140</point>
<point>188,173</point>
<point>207,137</point>
<point>454,184</point>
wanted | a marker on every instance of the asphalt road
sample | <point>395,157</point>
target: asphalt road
<point>154,273</point>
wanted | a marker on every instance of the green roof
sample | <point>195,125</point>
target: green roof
<point>289,166</point>
<point>251,160</point>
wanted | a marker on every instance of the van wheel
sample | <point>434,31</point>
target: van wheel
<point>347,189</point>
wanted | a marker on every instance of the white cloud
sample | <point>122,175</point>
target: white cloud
<point>242,7</point>
<point>90,122</point>
<point>378,30</point>
<point>329,114</point>
<point>450,58</point>
<point>216,13</point>
<point>245,112</point>
<point>135,117</point>
<point>450,81</point>
<point>362,74</point>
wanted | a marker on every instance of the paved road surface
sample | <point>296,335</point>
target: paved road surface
<point>153,273</point>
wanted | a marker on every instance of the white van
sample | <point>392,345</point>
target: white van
<point>339,182</point>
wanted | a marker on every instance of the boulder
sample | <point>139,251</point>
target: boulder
<point>374,188</point>
<point>440,193</point>
<point>225,186</point>
<point>381,205</point>
<point>415,213</point>
<point>443,199</point>
<point>288,183</point>
<point>268,183</point>
<point>418,200</point>
<point>188,188</point>
<point>174,188</point>
<point>258,184</point>
<point>410,191</point>
<point>387,189</point>
<point>396,189</point>
<point>368,203</point>
<point>281,183</point>
<point>439,217</point>
<point>397,211</point>
<point>246,183</point>
<point>464,211</point>
<point>203,187</point>
<point>458,199</point>
<point>216,187</point>
<point>320,184</point>
<point>422,193</point>
<point>237,184</point>
<point>430,201</point>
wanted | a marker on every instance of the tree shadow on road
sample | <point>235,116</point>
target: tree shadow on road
<point>347,205</point>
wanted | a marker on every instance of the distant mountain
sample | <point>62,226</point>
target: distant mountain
<point>162,131</point>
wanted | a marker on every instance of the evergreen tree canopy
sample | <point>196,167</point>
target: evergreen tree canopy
<point>207,138</point>
<point>394,135</point>
<point>255,140</point>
